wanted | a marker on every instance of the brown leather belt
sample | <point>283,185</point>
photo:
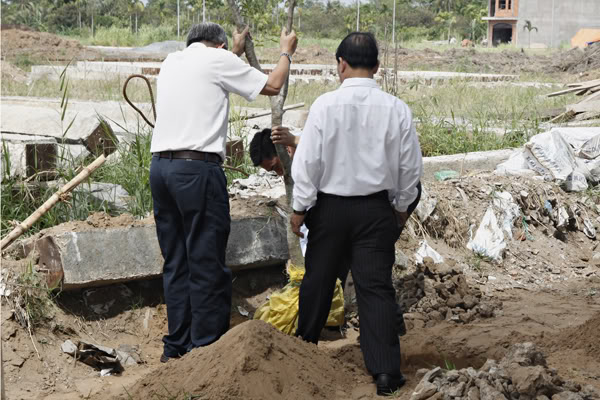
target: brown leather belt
<point>190,155</point>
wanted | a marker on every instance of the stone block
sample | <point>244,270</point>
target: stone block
<point>101,256</point>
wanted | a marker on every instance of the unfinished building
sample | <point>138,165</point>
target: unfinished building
<point>557,21</point>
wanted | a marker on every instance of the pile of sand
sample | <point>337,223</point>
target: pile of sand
<point>41,45</point>
<point>251,361</point>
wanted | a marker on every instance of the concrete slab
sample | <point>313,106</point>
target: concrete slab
<point>101,70</point>
<point>465,163</point>
<point>100,256</point>
<point>41,116</point>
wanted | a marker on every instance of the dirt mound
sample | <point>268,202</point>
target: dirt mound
<point>522,374</point>
<point>437,292</point>
<point>43,45</point>
<point>251,361</point>
<point>577,61</point>
<point>9,71</point>
<point>303,55</point>
<point>583,337</point>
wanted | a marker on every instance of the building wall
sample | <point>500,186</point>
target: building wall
<point>555,26</point>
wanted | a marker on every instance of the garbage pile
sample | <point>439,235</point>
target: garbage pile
<point>522,374</point>
<point>570,156</point>
<point>437,292</point>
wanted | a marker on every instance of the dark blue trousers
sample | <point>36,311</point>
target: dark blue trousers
<point>191,210</point>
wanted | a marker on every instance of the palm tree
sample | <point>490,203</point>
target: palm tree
<point>529,26</point>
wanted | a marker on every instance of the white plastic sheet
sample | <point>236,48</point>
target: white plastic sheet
<point>489,239</point>
<point>425,250</point>
<point>568,155</point>
<point>510,210</point>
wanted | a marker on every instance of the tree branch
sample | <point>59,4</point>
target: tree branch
<point>277,103</point>
<point>249,44</point>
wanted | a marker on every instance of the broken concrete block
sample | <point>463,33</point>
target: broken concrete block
<point>40,159</point>
<point>102,140</point>
<point>99,256</point>
<point>112,195</point>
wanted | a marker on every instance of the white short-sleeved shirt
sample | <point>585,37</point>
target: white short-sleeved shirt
<point>193,98</point>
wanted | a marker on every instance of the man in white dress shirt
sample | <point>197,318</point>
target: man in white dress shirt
<point>356,168</point>
<point>189,188</point>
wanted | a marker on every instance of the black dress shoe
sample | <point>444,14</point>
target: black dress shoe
<point>164,358</point>
<point>388,384</point>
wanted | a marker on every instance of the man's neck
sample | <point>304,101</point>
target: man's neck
<point>358,73</point>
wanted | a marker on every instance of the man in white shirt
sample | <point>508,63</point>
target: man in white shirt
<point>189,188</point>
<point>356,168</point>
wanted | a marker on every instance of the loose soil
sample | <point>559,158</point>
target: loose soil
<point>41,47</point>
<point>547,288</point>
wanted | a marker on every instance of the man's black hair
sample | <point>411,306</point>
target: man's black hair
<point>359,49</point>
<point>207,32</point>
<point>262,147</point>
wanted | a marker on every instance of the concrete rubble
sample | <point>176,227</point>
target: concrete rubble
<point>522,374</point>
<point>437,292</point>
<point>77,258</point>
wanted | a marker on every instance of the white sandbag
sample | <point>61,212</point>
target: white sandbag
<point>516,165</point>
<point>489,239</point>
<point>553,153</point>
<point>425,250</point>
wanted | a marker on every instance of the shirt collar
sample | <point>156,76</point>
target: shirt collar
<point>367,82</point>
<point>197,44</point>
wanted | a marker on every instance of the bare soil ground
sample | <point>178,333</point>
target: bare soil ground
<point>42,47</point>
<point>547,291</point>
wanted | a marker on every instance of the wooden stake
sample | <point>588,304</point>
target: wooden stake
<point>55,198</point>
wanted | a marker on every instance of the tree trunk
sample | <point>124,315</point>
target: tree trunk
<point>277,103</point>
<point>79,18</point>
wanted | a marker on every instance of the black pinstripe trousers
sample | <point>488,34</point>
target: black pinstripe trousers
<point>362,229</point>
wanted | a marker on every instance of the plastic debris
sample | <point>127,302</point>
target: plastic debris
<point>588,229</point>
<point>243,312</point>
<point>446,174</point>
<point>425,250</point>
<point>562,218</point>
<point>489,239</point>
<point>510,210</point>
<point>426,206</point>
<point>104,359</point>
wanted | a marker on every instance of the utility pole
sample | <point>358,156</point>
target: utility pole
<point>178,19</point>
<point>394,24</point>
<point>203,10</point>
<point>357,15</point>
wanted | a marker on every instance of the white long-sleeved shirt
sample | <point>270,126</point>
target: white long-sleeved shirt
<point>193,98</point>
<point>358,140</point>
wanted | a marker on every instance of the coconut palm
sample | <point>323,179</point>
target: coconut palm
<point>529,26</point>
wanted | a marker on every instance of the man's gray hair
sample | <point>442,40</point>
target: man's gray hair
<point>207,32</point>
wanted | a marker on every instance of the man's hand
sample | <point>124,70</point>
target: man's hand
<point>239,41</point>
<point>288,42</point>
<point>282,135</point>
<point>401,219</point>
<point>296,221</point>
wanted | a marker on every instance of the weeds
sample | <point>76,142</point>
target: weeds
<point>449,365</point>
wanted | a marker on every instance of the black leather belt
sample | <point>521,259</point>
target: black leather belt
<point>190,155</point>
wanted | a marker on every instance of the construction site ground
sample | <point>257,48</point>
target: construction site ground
<point>545,289</point>
<point>548,287</point>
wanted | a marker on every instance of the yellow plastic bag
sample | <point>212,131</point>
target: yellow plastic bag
<point>281,310</point>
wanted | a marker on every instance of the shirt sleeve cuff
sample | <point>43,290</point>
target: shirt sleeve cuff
<point>401,205</point>
<point>260,86</point>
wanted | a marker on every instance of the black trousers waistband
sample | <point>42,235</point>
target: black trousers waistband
<point>383,195</point>
<point>189,155</point>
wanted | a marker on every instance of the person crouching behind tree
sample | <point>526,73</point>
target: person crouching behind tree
<point>264,154</point>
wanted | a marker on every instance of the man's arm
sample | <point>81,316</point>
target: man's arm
<point>410,168</point>
<point>278,76</point>
<point>306,168</point>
